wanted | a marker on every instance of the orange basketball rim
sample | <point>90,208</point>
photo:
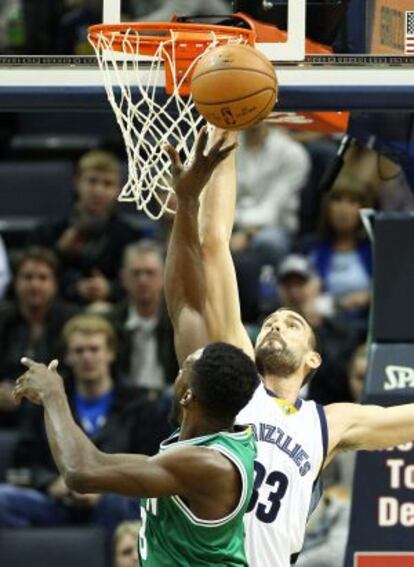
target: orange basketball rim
<point>182,43</point>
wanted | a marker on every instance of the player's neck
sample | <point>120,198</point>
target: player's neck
<point>283,388</point>
<point>201,427</point>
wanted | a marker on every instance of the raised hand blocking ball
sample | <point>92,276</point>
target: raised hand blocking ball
<point>234,86</point>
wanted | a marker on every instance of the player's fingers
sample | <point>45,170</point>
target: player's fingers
<point>53,365</point>
<point>176,164</point>
<point>224,153</point>
<point>201,142</point>
<point>217,146</point>
<point>20,381</point>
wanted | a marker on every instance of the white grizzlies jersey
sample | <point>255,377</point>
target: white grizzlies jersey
<point>292,442</point>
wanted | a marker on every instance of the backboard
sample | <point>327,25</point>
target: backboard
<point>357,61</point>
<point>370,68</point>
<point>331,56</point>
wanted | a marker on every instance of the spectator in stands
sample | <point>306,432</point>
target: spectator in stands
<point>30,324</point>
<point>125,545</point>
<point>272,169</point>
<point>299,290</point>
<point>342,257</point>
<point>115,419</point>
<point>91,240</point>
<point>322,150</point>
<point>146,356</point>
<point>357,372</point>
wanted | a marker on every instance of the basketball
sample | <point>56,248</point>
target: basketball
<point>234,86</point>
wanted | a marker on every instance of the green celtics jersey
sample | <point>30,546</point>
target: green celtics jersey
<point>172,536</point>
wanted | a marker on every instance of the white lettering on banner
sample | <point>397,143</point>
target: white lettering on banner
<point>390,512</point>
<point>398,477</point>
<point>387,511</point>
<point>407,514</point>
<point>395,466</point>
<point>405,448</point>
<point>409,477</point>
<point>399,377</point>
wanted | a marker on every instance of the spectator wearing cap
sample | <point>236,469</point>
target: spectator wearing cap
<point>299,289</point>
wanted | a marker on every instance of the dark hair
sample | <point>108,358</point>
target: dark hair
<point>36,254</point>
<point>224,379</point>
<point>344,188</point>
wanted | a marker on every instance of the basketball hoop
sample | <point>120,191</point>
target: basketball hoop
<point>135,58</point>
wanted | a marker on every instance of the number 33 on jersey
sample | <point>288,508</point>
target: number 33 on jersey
<point>292,443</point>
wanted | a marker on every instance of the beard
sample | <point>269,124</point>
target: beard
<point>280,362</point>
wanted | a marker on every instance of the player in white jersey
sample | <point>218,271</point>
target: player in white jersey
<point>295,438</point>
<point>292,444</point>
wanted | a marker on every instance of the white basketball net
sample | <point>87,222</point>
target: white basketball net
<point>148,122</point>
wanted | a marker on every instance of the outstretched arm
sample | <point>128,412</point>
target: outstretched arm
<point>195,472</point>
<point>216,219</point>
<point>357,427</point>
<point>185,272</point>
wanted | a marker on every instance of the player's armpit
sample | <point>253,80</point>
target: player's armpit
<point>358,427</point>
<point>182,471</point>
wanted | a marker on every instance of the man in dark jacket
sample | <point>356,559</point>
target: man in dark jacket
<point>146,357</point>
<point>114,418</point>
<point>31,323</point>
<point>91,240</point>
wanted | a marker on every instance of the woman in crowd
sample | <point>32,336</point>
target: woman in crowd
<point>342,255</point>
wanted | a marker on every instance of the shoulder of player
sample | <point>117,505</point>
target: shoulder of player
<point>336,413</point>
<point>200,471</point>
<point>340,417</point>
<point>201,462</point>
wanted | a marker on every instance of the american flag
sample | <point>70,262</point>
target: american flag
<point>409,32</point>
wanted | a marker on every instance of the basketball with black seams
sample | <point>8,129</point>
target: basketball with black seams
<point>234,86</point>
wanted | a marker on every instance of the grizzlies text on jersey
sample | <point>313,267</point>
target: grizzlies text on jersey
<point>292,443</point>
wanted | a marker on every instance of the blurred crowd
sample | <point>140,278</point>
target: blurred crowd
<point>87,289</point>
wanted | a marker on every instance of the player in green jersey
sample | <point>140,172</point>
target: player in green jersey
<point>198,487</point>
